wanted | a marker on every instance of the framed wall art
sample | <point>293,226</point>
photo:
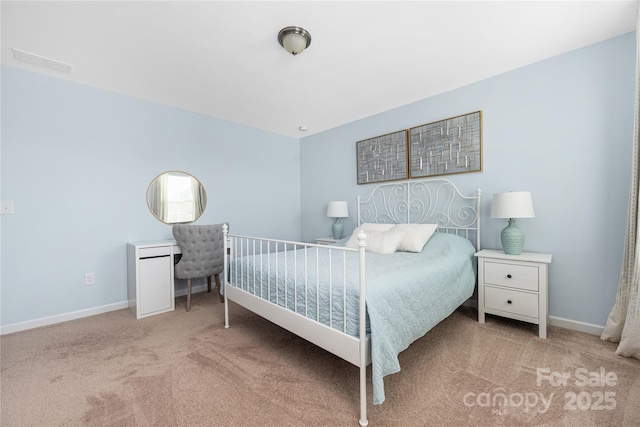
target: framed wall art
<point>383,158</point>
<point>448,146</point>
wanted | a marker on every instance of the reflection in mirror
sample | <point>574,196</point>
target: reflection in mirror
<point>176,197</point>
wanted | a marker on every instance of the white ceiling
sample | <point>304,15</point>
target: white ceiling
<point>222,58</point>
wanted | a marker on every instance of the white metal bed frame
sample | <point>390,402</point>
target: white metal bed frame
<point>420,201</point>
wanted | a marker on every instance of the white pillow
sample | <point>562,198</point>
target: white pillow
<point>367,227</point>
<point>414,236</point>
<point>383,242</point>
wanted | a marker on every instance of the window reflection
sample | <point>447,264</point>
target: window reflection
<point>176,197</point>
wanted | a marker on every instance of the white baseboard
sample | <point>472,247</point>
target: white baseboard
<point>575,325</point>
<point>195,289</point>
<point>65,317</point>
<point>560,322</point>
<point>59,318</point>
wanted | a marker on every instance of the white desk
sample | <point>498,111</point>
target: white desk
<point>150,277</point>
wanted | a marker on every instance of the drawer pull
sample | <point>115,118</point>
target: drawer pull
<point>508,301</point>
<point>508,276</point>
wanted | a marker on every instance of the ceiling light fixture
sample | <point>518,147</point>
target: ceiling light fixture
<point>294,39</point>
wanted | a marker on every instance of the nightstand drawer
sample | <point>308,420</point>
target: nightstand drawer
<point>511,275</point>
<point>522,303</point>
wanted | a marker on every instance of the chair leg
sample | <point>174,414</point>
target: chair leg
<point>209,284</point>
<point>219,287</point>
<point>188,294</point>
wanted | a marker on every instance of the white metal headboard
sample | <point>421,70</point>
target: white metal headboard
<point>427,201</point>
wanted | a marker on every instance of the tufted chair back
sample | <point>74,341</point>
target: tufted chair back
<point>202,248</point>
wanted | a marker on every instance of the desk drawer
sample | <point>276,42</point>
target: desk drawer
<point>155,251</point>
<point>511,275</point>
<point>522,303</point>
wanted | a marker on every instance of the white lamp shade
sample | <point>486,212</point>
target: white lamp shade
<point>515,204</point>
<point>294,43</point>
<point>338,209</point>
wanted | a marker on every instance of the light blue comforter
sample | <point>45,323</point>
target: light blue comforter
<point>407,294</point>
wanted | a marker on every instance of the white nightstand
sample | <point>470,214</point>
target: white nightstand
<point>325,240</point>
<point>514,286</point>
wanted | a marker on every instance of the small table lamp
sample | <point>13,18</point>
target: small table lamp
<point>516,204</point>
<point>337,210</point>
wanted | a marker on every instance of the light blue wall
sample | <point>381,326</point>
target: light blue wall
<point>77,161</point>
<point>560,128</point>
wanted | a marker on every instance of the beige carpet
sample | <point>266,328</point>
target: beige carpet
<point>185,369</point>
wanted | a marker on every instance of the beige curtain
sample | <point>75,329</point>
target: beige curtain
<point>623,323</point>
<point>157,194</point>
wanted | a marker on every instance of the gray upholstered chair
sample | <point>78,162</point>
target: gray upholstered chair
<point>202,248</point>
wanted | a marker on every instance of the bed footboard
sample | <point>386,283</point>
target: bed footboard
<point>311,290</point>
<point>315,291</point>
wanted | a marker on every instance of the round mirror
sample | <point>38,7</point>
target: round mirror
<point>176,197</point>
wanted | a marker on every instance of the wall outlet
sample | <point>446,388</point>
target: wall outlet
<point>89,279</point>
<point>6,207</point>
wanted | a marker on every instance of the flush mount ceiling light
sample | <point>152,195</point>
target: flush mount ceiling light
<point>294,39</point>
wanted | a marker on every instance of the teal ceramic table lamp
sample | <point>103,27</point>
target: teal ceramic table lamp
<point>337,210</point>
<point>512,205</point>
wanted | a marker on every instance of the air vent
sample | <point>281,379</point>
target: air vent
<point>41,61</point>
